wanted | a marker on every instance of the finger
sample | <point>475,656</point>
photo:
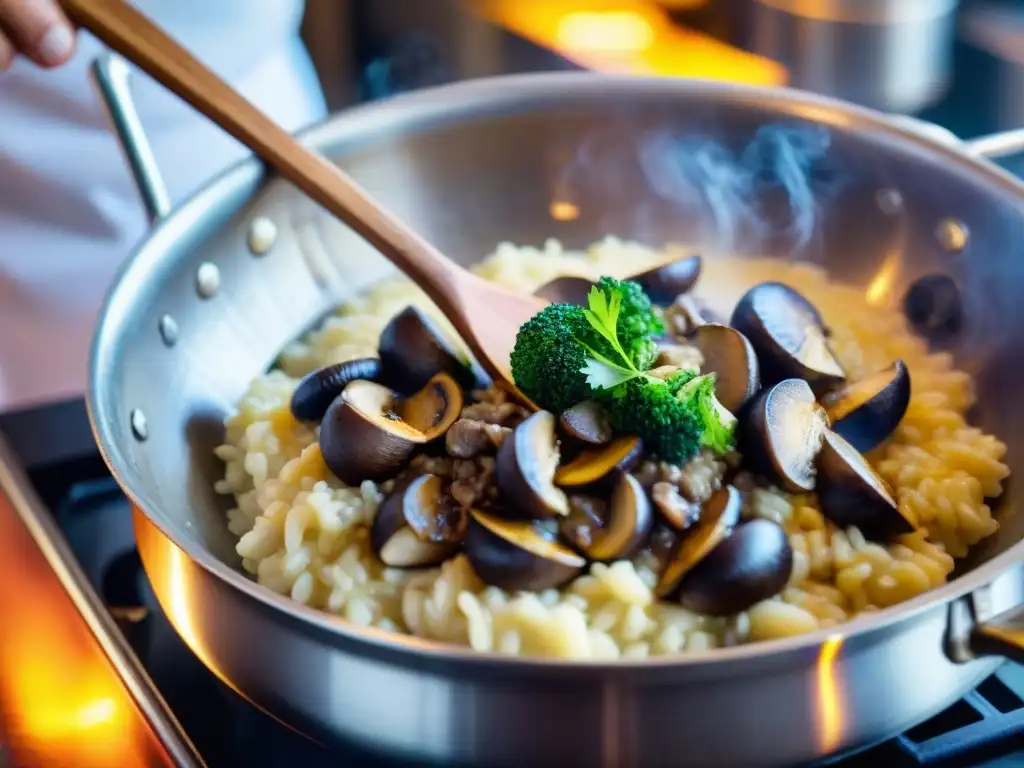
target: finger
<point>38,29</point>
<point>6,53</point>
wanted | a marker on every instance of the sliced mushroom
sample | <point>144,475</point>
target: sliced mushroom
<point>852,493</point>
<point>434,408</point>
<point>565,290</point>
<point>730,355</point>
<point>525,469</point>
<point>721,513</point>
<point>678,512</point>
<point>612,530</point>
<point>317,390</point>
<point>412,349</point>
<point>750,565</point>
<point>664,283</point>
<point>685,315</point>
<point>866,412</point>
<point>362,438</point>
<point>788,335</point>
<point>594,463</point>
<point>587,423</point>
<point>782,434</point>
<point>518,555</point>
<point>417,525</point>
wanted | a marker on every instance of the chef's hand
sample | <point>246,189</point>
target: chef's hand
<point>37,29</point>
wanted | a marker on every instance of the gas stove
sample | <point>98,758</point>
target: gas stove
<point>64,515</point>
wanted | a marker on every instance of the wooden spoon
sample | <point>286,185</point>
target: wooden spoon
<point>485,315</point>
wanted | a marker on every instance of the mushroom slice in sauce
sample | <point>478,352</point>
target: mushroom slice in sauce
<point>730,355</point>
<point>434,408</point>
<point>525,470</point>
<point>788,335</point>
<point>412,349</point>
<point>518,555</point>
<point>362,438</point>
<point>721,513</point>
<point>610,530</point>
<point>852,493</point>
<point>417,525</point>
<point>752,564</point>
<point>666,282</point>
<point>782,434</point>
<point>866,412</point>
<point>317,390</point>
<point>593,464</point>
<point>587,423</point>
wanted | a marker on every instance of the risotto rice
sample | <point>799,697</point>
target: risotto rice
<point>305,534</point>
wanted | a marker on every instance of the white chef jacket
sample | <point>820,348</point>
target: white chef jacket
<point>69,211</point>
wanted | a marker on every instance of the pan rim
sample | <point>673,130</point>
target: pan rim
<point>435,106</point>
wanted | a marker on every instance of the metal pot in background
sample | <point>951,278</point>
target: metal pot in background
<point>892,55</point>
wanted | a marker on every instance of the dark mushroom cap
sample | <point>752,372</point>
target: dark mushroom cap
<point>518,555</point>
<point>782,434</point>
<point>866,412</point>
<point>788,335</point>
<point>664,283</point>
<point>417,525</point>
<point>587,423</point>
<point>565,290</point>
<point>721,513</point>
<point>434,408</point>
<point>678,512</point>
<point>750,565</point>
<point>592,464</point>
<point>730,356</point>
<point>610,530</point>
<point>525,470</point>
<point>318,389</point>
<point>412,349</point>
<point>361,438</point>
<point>852,493</point>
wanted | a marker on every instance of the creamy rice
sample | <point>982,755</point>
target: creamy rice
<point>305,534</point>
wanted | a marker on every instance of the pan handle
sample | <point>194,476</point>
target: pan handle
<point>112,77</point>
<point>976,630</point>
<point>997,145</point>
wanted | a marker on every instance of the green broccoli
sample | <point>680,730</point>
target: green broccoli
<point>673,418</point>
<point>649,409</point>
<point>566,354</point>
<point>719,425</point>
<point>548,361</point>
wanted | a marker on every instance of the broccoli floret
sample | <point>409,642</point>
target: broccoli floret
<point>719,425</point>
<point>668,427</point>
<point>637,322</point>
<point>547,361</point>
<point>673,418</point>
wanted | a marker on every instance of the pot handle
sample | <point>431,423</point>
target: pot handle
<point>112,78</point>
<point>975,630</point>
<point>997,145</point>
<point>991,147</point>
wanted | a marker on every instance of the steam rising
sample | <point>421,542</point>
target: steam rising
<point>771,187</point>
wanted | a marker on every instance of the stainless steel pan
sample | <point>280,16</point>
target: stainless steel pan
<point>204,305</point>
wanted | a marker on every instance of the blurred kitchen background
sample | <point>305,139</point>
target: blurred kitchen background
<point>960,64</point>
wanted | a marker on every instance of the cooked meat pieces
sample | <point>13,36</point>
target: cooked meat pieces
<point>469,437</point>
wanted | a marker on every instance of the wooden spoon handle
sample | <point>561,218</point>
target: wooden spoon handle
<point>131,34</point>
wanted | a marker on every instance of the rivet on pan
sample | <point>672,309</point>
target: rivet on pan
<point>952,235</point>
<point>889,201</point>
<point>207,280</point>
<point>168,330</point>
<point>262,235</point>
<point>139,426</point>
